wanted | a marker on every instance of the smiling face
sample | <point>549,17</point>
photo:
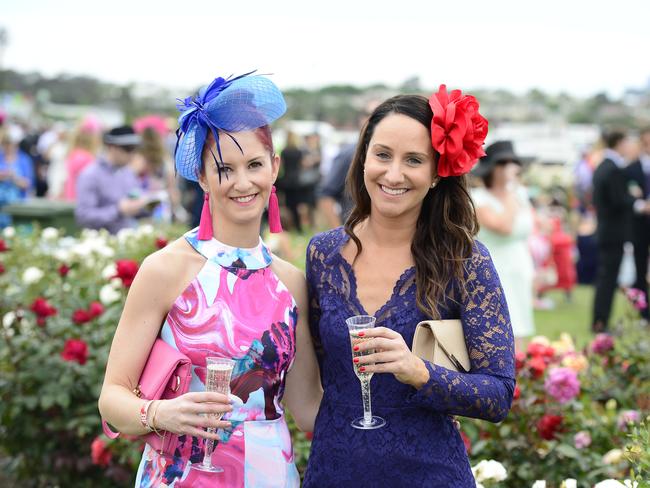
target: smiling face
<point>399,166</point>
<point>241,195</point>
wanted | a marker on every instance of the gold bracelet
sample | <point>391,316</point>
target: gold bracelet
<point>153,419</point>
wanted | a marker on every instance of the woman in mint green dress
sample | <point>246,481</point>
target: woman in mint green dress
<point>506,218</point>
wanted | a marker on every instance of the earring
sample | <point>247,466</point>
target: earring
<point>275,225</point>
<point>433,185</point>
<point>205,225</point>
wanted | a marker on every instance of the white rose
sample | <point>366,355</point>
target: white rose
<point>125,234</point>
<point>32,275</point>
<point>569,483</point>
<point>489,471</point>
<point>145,229</point>
<point>613,457</point>
<point>609,484</point>
<point>9,232</point>
<point>81,250</point>
<point>50,234</point>
<point>539,484</point>
<point>543,340</point>
<point>8,320</point>
<point>117,283</point>
<point>62,255</point>
<point>108,295</point>
<point>106,251</point>
<point>89,233</point>
<point>109,271</point>
<point>66,287</point>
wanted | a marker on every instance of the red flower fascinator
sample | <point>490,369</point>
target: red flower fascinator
<point>457,131</point>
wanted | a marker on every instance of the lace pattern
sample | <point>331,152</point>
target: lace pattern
<point>420,433</point>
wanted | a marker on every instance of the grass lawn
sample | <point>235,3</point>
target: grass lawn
<point>572,316</point>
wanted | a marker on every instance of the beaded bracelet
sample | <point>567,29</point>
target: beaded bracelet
<point>144,410</point>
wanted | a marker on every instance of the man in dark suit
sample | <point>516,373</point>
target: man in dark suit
<point>614,207</point>
<point>639,177</point>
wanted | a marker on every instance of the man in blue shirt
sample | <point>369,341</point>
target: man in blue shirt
<point>108,192</point>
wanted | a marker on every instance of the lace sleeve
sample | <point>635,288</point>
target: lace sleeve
<point>313,271</point>
<point>486,392</point>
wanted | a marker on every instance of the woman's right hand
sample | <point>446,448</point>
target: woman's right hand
<point>185,414</point>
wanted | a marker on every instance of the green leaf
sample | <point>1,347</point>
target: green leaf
<point>568,451</point>
<point>47,401</point>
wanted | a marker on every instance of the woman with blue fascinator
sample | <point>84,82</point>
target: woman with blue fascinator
<point>218,296</point>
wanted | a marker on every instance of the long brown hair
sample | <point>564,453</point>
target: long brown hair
<point>447,223</point>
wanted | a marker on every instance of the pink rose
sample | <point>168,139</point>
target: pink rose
<point>582,439</point>
<point>562,384</point>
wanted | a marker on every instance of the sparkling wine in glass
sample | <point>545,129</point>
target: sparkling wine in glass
<point>217,379</point>
<point>355,325</point>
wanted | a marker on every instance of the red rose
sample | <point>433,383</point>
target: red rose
<point>517,393</point>
<point>3,246</point>
<point>75,350</point>
<point>467,442</point>
<point>309,435</point>
<point>458,131</point>
<point>64,270</point>
<point>99,453</point>
<point>537,366</point>
<point>126,271</point>
<point>42,308</point>
<point>81,316</point>
<point>520,360</point>
<point>535,349</point>
<point>548,426</point>
<point>95,309</point>
<point>2,268</point>
<point>161,242</point>
<point>40,321</point>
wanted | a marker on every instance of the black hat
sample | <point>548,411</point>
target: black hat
<point>495,153</point>
<point>122,136</point>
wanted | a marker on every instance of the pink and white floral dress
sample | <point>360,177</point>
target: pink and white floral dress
<point>236,307</point>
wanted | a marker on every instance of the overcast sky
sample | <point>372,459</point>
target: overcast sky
<point>581,47</point>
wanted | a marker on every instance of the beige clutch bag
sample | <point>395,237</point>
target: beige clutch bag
<point>442,342</point>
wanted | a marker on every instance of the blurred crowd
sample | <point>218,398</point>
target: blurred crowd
<point>595,232</point>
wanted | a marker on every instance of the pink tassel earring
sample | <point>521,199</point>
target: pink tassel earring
<point>205,226</point>
<point>275,226</point>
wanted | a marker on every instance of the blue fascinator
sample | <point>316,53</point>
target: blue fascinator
<point>237,104</point>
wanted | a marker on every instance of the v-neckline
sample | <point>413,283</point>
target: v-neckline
<point>354,296</point>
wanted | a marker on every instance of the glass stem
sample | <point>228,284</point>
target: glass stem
<point>209,449</point>
<point>367,410</point>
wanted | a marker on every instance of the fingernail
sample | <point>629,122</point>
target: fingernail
<point>362,368</point>
<point>356,360</point>
<point>361,334</point>
<point>355,348</point>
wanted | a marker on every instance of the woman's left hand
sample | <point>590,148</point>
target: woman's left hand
<point>392,355</point>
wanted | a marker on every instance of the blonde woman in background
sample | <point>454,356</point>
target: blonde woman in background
<point>83,151</point>
<point>154,167</point>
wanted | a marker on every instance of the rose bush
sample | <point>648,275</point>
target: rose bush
<point>58,317</point>
<point>576,414</point>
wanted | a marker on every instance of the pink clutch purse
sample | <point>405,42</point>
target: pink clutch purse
<point>166,375</point>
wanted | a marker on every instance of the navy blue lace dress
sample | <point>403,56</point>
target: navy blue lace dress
<point>420,446</point>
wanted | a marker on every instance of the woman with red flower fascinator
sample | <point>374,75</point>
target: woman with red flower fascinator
<point>217,301</point>
<point>406,254</point>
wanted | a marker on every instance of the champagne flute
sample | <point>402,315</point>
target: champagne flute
<point>217,379</point>
<point>355,325</point>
